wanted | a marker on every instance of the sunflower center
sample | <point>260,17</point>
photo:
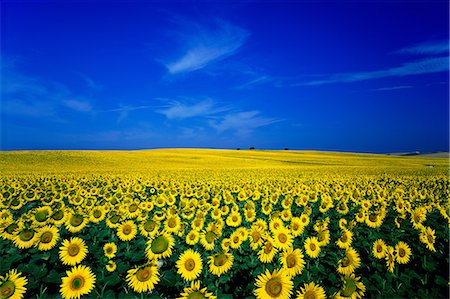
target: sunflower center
<point>234,218</point>
<point>26,235</point>
<point>41,216</point>
<point>46,237</point>
<point>127,229</point>
<point>133,208</point>
<point>282,238</point>
<point>401,252</point>
<point>210,237</point>
<point>11,228</point>
<point>379,248</point>
<point>172,222</point>
<point>58,215</point>
<point>109,250</point>
<point>373,218</point>
<point>274,287</point>
<point>189,264</point>
<point>349,288</point>
<point>76,220</point>
<point>196,295</point>
<point>159,245</point>
<point>344,238</point>
<point>295,227</point>
<point>430,239</point>
<point>73,249</point>
<point>220,260</point>
<point>310,295</point>
<point>312,246</point>
<point>149,225</point>
<point>97,214</point>
<point>291,261</point>
<point>236,239</point>
<point>7,289</point>
<point>77,283</point>
<point>144,274</point>
<point>345,262</point>
<point>256,236</point>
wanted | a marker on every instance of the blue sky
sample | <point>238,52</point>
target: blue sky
<point>368,76</point>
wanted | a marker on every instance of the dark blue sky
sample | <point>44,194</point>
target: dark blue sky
<point>365,76</point>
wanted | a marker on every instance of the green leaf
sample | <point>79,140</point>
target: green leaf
<point>52,277</point>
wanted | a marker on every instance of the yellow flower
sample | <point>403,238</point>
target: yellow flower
<point>273,285</point>
<point>172,224</point>
<point>97,214</point>
<point>192,237</point>
<point>143,278</point>
<point>352,288</point>
<point>12,285</point>
<point>256,234</point>
<point>379,249</point>
<point>268,251</point>
<point>148,227</point>
<point>220,263</point>
<point>47,237</point>
<point>127,230</point>
<point>25,238</point>
<point>428,237</point>
<point>390,258</point>
<point>293,262</point>
<point>349,262</point>
<point>283,238</point>
<point>312,247</point>
<point>345,240</point>
<point>235,240</point>
<point>296,226</point>
<point>207,239</point>
<point>275,224</point>
<point>76,222</point>
<point>189,265</point>
<point>111,266</point>
<point>72,252</point>
<point>323,237</point>
<point>373,220</point>
<point>110,249</point>
<point>160,246</point>
<point>196,292</point>
<point>402,252</point>
<point>234,219</point>
<point>311,290</point>
<point>79,281</point>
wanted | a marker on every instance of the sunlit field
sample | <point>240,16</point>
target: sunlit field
<point>187,223</point>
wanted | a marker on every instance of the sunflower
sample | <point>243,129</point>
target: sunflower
<point>268,251</point>
<point>379,249</point>
<point>76,222</point>
<point>196,292</point>
<point>47,237</point>
<point>172,224</point>
<point>293,262</point>
<point>148,227</point>
<point>192,237</point>
<point>207,239</point>
<point>111,266</point>
<point>127,230</point>
<point>235,240</point>
<point>283,238</point>
<point>25,238</point>
<point>352,288</point>
<point>79,281</point>
<point>402,252</point>
<point>41,215</point>
<point>9,231</point>
<point>160,246</point>
<point>428,237</point>
<point>296,226</point>
<point>189,265</point>
<point>275,224</point>
<point>234,219</point>
<point>220,263</point>
<point>256,237</point>
<point>12,285</point>
<point>345,240</point>
<point>390,258</point>
<point>311,290</point>
<point>143,278</point>
<point>323,237</point>
<point>373,220</point>
<point>73,252</point>
<point>273,285</point>
<point>312,247</point>
<point>97,214</point>
<point>110,250</point>
<point>59,216</point>
<point>349,262</point>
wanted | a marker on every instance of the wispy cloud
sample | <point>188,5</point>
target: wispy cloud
<point>393,87</point>
<point>243,123</point>
<point>207,44</point>
<point>424,66</point>
<point>179,110</point>
<point>427,48</point>
<point>255,82</point>
<point>30,96</point>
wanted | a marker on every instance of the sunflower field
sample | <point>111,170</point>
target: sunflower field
<point>223,224</point>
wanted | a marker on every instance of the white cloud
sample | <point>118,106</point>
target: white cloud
<point>428,48</point>
<point>393,88</point>
<point>243,123</point>
<point>207,44</point>
<point>424,66</point>
<point>179,110</point>
<point>78,105</point>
